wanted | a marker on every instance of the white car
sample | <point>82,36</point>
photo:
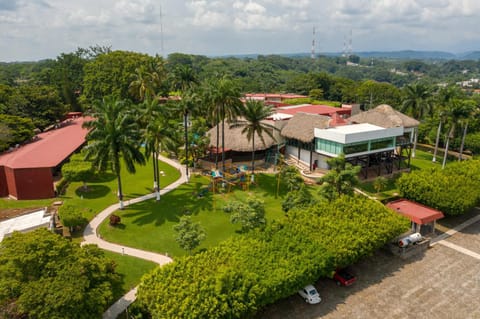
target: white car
<point>310,294</point>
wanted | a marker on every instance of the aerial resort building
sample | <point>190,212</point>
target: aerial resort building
<point>378,140</point>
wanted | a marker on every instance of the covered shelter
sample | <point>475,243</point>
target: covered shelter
<point>237,146</point>
<point>27,172</point>
<point>422,218</point>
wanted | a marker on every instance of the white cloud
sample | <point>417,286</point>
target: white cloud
<point>33,29</point>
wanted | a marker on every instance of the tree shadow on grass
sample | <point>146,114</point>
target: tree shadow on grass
<point>172,206</point>
<point>93,191</point>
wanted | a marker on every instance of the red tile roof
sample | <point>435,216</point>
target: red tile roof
<point>49,148</point>
<point>312,109</point>
<point>416,212</point>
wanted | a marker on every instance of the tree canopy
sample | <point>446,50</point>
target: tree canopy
<point>43,275</point>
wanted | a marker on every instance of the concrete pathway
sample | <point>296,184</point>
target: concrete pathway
<point>90,236</point>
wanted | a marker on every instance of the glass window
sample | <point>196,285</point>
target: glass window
<point>356,148</point>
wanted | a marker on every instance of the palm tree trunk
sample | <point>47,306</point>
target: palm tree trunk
<point>415,138</point>
<point>253,156</point>
<point>223,144</point>
<point>120,192</point>
<point>218,142</point>
<point>437,140</point>
<point>460,154</point>
<point>185,123</point>
<point>157,175</point>
<point>450,134</point>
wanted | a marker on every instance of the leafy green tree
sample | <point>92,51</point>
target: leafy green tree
<point>253,115</point>
<point>380,183</point>
<point>41,104</point>
<point>190,234</point>
<point>249,214</point>
<point>340,179</point>
<point>73,216</point>
<point>297,199</point>
<point>77,171</point>
<point>67,73</point>
<point>371,93</point>
<point>14,130</point>
<point>453,192</point>
<point>291,177</point>
<point>111,74</point>
<point>113,134</point>
<point>43,275</point>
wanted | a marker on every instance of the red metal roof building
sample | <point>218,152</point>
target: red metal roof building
<point>27,172</point>
<point>417,213</point>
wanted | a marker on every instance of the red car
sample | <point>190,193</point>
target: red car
<point>343,277</point>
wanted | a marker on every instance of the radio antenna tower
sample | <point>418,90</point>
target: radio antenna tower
<point>350,47</point>
<point>344,51</point>
<point>313,44</point>
<point>161,30</point>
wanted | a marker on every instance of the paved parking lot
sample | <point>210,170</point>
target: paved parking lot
<point>443,283</point>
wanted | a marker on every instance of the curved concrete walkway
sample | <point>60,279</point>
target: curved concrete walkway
<point>90,236</point>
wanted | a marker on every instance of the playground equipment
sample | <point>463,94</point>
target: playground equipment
<point>235,176</point>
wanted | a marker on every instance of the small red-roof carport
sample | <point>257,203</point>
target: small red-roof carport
<point>27,171</point>
<point>418,214</point>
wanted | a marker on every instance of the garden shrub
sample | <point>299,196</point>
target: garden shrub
<point>453,190</point>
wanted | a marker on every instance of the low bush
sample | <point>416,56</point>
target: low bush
<point>453,190</point>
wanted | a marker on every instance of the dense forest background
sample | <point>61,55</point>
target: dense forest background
<point>34,95</point>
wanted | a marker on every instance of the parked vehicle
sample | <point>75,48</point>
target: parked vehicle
<point>343,277</point>
<point>310,294</point>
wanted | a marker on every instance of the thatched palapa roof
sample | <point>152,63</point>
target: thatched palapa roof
<point>384,116</point>
<point>302,126</point>
<point>236,141</point>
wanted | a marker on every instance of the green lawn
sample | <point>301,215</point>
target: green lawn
<point>149,225</point>
<point>6,203</point>
<point>102,190</point>
<point>131,269</point>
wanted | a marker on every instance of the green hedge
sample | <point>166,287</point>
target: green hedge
<point>245,273</point>
<point>453,190</point>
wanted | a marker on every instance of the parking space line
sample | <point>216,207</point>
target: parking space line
<point>442,237</point>
<point>460,249</point>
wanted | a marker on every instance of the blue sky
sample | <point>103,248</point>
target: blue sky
<point>38,29</point>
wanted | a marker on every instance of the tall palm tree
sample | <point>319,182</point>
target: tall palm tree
<point>187,106</point>
<point>224,97</point>
<point>252,115</point>
<point>113,134</point>
<point>156,134</point>
<point>445,96</point>
<point>457,111</point>
<point>417,103</point>
<point>471,111</point>
<point>186,80</point>
<point>148,79</point>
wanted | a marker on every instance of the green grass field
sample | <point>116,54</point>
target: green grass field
<point>102,190</point>
<point>149,225</point>
<point>131,270</point>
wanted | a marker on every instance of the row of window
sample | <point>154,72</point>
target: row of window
<point>338,148</point>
